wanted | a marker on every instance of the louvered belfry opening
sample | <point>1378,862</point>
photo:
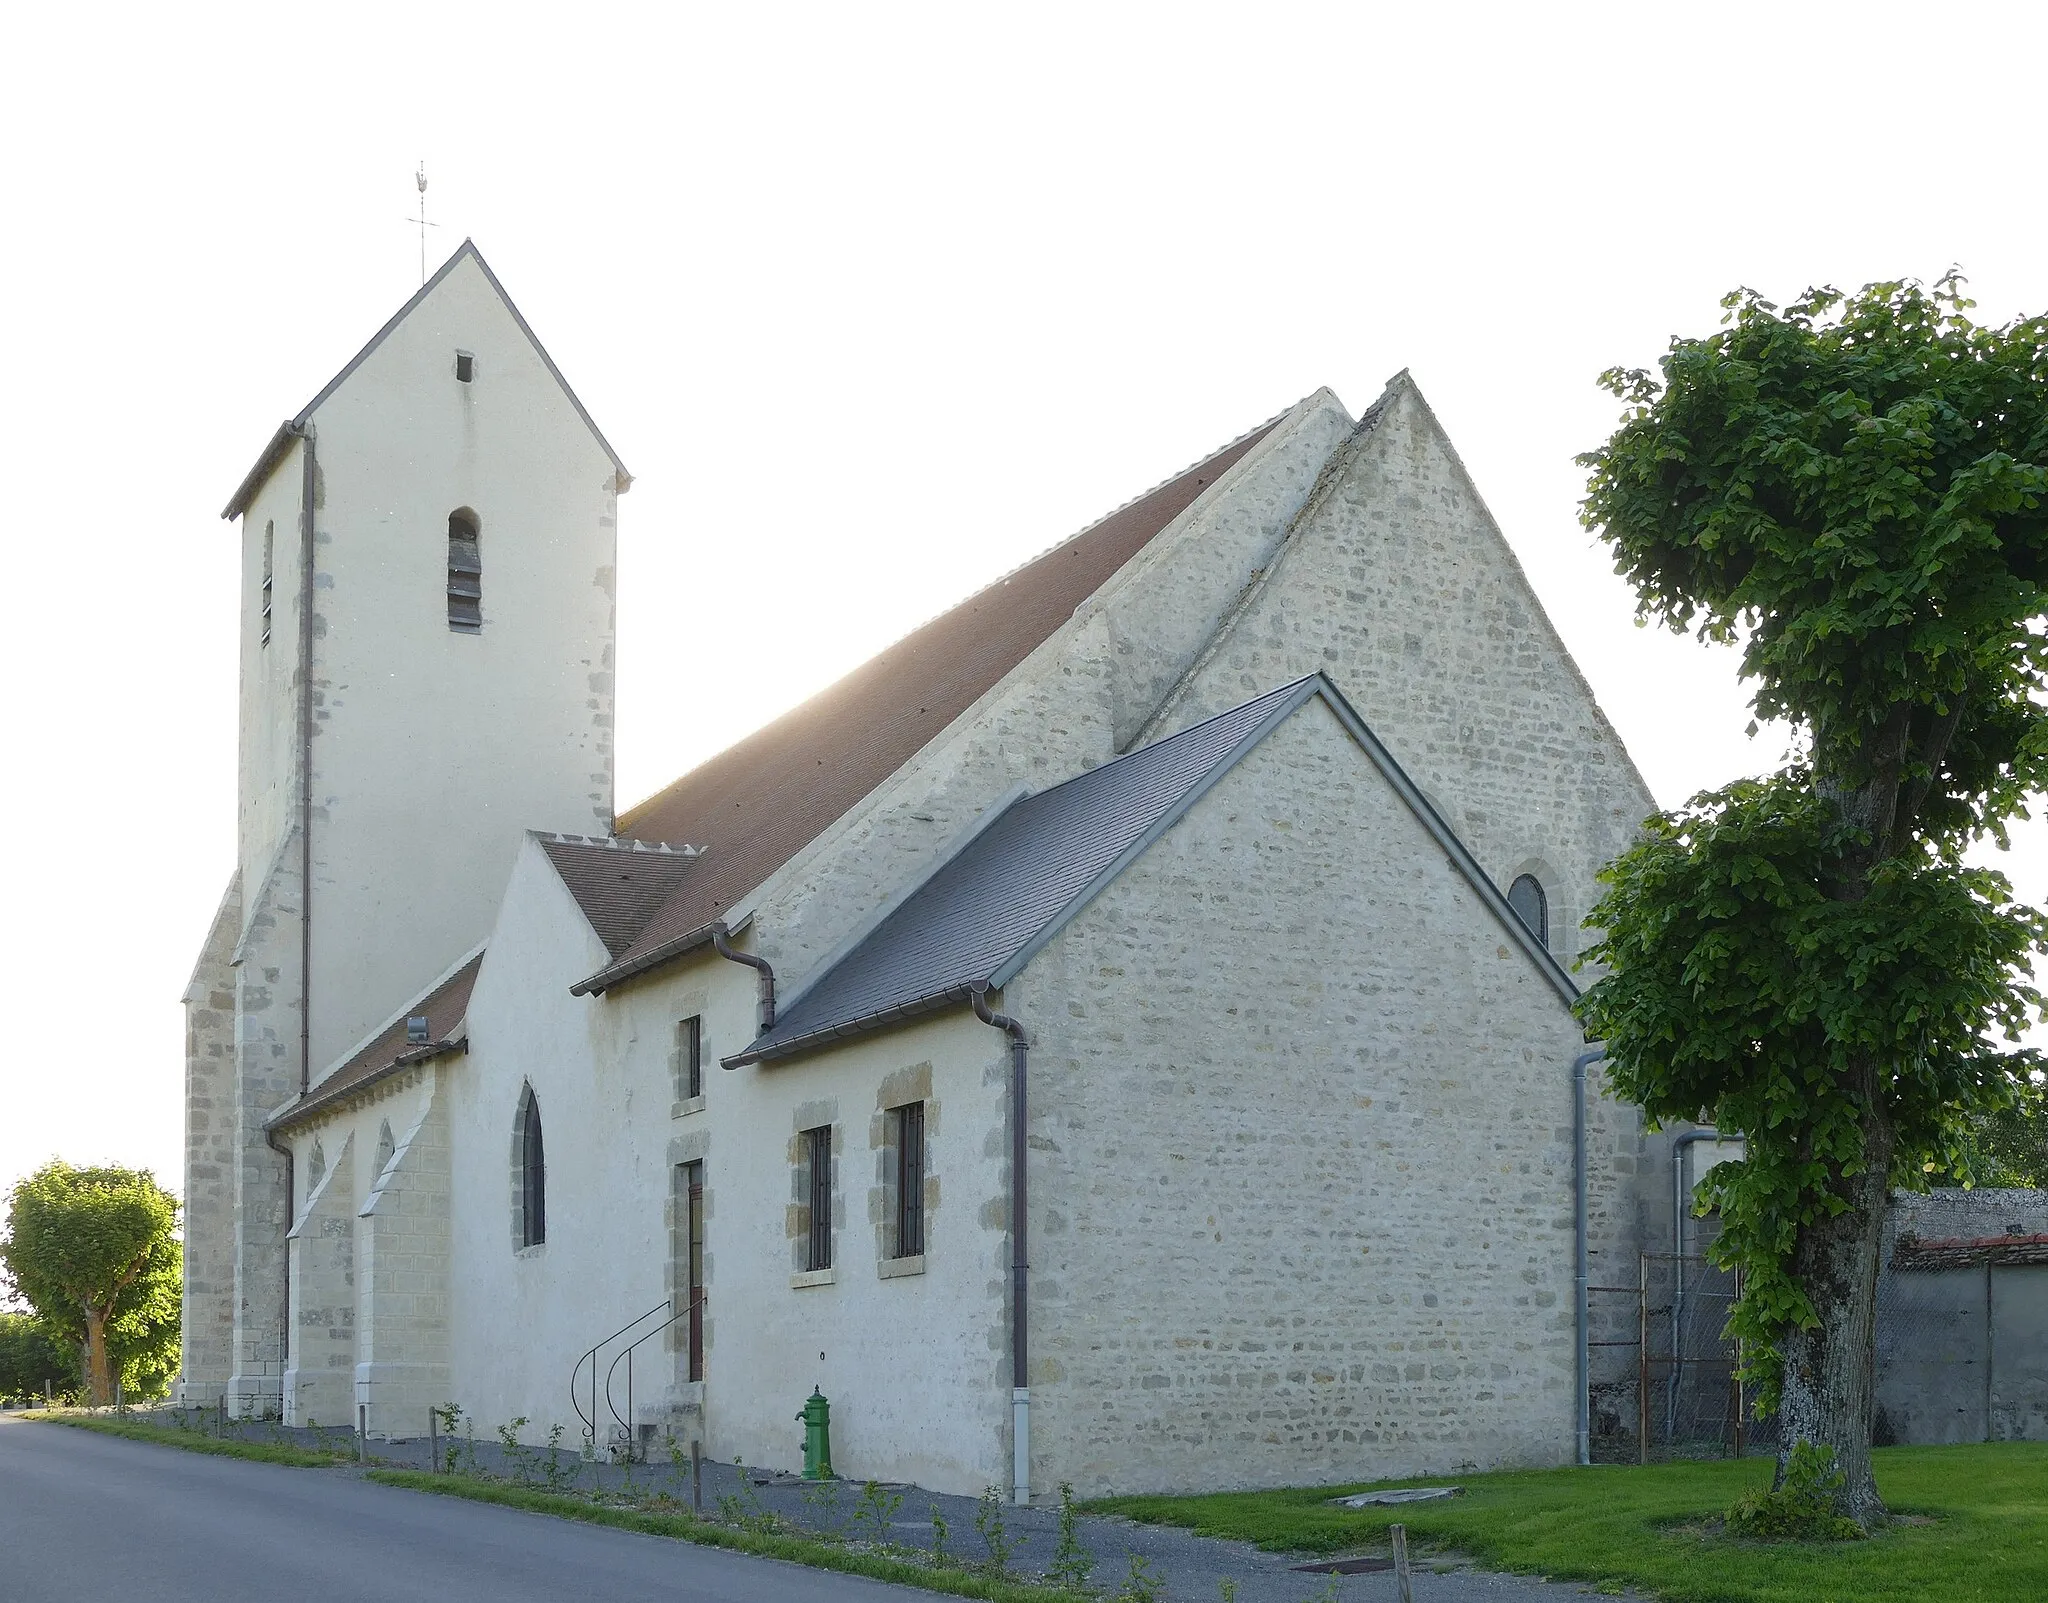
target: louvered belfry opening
<point>465,573</point>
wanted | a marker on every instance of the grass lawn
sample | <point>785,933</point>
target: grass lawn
<point>1977,1532</point>
<point>192,1441</point>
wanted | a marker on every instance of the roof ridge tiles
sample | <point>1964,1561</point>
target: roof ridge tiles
<point>615,843</point>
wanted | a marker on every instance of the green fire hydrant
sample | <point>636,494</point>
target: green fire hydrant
<point>817,1421</point>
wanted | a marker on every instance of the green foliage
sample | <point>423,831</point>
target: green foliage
<point>1140,1584</point>
<point>1742,992</point>
<point>91,1251</point>
<point>1855,489</point>
<point>31,1353</point>
<point>1800,1510</point>
<point>2009,1146</point>
<point>1072,1563</point>
<point>995,1536</point>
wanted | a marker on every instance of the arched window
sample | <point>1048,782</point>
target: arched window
<point>385,1147</point>
<point>530,1174</point>
<point>465,573</point>
<point>1526,897</point>
<point>316,1167</point>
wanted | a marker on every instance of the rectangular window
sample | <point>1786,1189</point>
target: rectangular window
<point>269,544</point>
<point>818,1187</point>
<point>909,1144</point>
<point>465,367</point>
<point>690,1185</point>
<point>690,1057</point>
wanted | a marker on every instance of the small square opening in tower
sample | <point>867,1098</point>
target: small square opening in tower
<point>465,367</point>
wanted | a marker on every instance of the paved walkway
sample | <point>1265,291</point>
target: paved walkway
<point>89,1515</point>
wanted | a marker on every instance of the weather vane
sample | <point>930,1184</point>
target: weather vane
<point>420,178</point>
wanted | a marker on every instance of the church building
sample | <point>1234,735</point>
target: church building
<point>1119,1035</point>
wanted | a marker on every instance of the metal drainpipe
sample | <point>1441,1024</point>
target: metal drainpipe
<point>1679,1197</point>
<point>306,558</point>
<point>765,1009</point>
<point>1581,1318</point>
<point>284,1318</point>
<point>1020,1261</point>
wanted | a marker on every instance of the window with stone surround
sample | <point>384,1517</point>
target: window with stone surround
<point>529,1175</point>
<point>817,1192</point>
<point>906,1141</point>
<point>1531,906</point>
<point>465,573</point>
<point>689,1057</point>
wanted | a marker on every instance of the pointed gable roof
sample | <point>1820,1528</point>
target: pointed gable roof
<point>979,919</point>
<point>295,427</point>
<point>757,804</point>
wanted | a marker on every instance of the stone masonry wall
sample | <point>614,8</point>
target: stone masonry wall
<point>267,1053</point>
<point>1303,1114</point>
<point>207,1333</point>
<point>404,1275</point>
<point>319,1386</point>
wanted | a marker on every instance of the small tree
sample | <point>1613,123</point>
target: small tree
<point>1855,488</point>
<point>91,1251</point>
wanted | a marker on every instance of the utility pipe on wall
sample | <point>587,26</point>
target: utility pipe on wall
<point>1020,1261</point>
<point>721,938</point>
<point>1581,1317</point>
<point>308,484</point>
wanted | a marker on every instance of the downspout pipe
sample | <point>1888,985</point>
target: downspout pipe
<point>284,1318</point>
<point>721,938</point>
<point>307,486</point>
<point>1020,1258</point>
<point>1581,1317</point>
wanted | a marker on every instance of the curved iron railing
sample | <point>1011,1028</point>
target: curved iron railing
<point>625,1356</point>
<point>590,1358</point>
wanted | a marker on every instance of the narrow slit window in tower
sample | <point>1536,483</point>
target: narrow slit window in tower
<point>465,573</point>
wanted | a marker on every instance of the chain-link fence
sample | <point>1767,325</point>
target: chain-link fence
<point>1665,1381</point>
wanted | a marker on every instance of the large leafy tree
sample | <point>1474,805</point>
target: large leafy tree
<point>92,1252</point>
<point>1854,489</point>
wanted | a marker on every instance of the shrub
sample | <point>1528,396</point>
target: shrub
<point>1804,1508</point>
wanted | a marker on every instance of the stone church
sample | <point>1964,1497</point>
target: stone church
<point>1120,1034</point>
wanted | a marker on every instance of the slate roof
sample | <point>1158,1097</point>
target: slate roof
<point>289,430</point>
<point>757,804</point>
<point>983,915</point>
<point>445,1006</point>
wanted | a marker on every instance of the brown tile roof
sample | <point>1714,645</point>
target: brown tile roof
<point>620,885</point>
<point>1965,1252</point>
<point>757,804</point>
<point>445,1006</point>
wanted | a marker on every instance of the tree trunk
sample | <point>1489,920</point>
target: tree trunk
<point>1830,1369</point>
<point>99,1367</point>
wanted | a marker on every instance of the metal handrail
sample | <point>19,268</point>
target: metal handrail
<point>590,1358</point>
<point>625,1355</point>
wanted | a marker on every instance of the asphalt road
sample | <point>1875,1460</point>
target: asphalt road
<point>89,1516</point>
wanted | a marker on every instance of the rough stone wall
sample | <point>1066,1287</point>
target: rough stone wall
<point>405,1274</point>
<point>1073,703</point>
<point>319,1385</point>
<point>267,1056</point>
<point>1303,1115</point>
<point>207,1333</point>
<point>1396,582</point>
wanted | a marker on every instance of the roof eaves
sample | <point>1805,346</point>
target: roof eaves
<point>881,1018</point>
<point>305,1107</point>
<point>679,946</point>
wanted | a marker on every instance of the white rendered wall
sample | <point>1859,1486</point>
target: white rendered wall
<point>433,749</point>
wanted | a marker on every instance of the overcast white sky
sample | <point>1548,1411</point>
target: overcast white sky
<point>876,301</point>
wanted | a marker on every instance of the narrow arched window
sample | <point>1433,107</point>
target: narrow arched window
<point>385,1147</point>
<point>316,1168</point>
<point>1526,897</point>
<point>465,573</point>
<point>530,1177</point>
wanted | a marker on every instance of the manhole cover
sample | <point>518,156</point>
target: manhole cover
<point>1346,1566</point>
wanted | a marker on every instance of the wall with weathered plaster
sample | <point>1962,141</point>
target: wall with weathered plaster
<point>207,1329</point>
<point>319,1383</point>
<point>1304,1116</point>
